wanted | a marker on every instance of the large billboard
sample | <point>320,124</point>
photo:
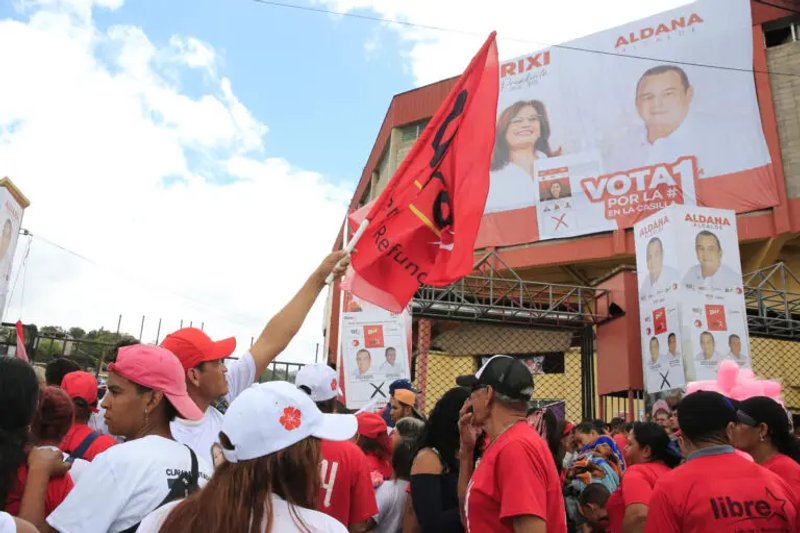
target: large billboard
<point>375,351</point>
<point>601,132</point>
<point>691,299</point>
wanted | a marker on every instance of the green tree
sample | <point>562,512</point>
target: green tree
<point>77,333</point>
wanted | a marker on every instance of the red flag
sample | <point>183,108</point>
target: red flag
<point>423,226</point>
<point>21,353</point>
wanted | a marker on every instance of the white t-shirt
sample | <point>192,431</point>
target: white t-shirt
<point>391,497</point>
<point>123,485</point>
<point>665,280</point>
<point>511,188</point>
<point>7,524</point>
<point>201,435</point>
<point>723,278</point>
<point>77,468</point>
<point>282,519</point>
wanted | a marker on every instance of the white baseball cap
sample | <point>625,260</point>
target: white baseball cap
<point>321,381</point>
<point>269,417</point>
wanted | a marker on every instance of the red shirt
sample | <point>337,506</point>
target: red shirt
<point>57,490</point>
<point>637,486</point>
<point>374,463</point>
<point>75,436</point>
<point>522,480</point>
<point>346,492</point>
<point>787,468</point>
<point>721,492</point>
<point>622,442</point>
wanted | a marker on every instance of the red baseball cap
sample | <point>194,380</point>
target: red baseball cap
<point>81,385</point>
<point>192,346</point>
<point>158,369</point>
<point>371,425</point>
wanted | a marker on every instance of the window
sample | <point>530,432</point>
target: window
<point>410,132</point>
<point>782,32</point>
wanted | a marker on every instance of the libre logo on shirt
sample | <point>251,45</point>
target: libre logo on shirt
<point>726,507</point>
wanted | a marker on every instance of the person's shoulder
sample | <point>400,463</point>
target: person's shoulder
<point>427,461</point>
<point>338,449</point>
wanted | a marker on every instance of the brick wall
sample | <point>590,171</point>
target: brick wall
<point>786,93</point>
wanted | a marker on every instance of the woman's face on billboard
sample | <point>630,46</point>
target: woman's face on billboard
<point>524,128</point>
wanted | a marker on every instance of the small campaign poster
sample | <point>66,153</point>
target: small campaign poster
<point>375,351</point>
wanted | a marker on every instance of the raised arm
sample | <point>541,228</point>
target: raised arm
<point>280,330</point>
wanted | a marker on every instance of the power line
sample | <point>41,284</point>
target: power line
<point>372,18</point>
<point>197,303</point>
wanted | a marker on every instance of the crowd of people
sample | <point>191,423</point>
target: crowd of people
<point>159,452</point>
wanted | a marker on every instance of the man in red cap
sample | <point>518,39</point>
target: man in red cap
<point>203,360</point>
<point>80,441</point>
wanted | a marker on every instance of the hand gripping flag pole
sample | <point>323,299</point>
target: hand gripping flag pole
<point>352,244</point>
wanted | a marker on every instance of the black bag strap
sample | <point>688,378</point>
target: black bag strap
<point>83,447</point>
<point>184,485</point>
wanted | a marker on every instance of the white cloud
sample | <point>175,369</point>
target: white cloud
<point>434,55</point>
<point>91,127</point>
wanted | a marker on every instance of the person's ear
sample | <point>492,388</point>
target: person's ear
<point>763,431</point>
<point>154,399</point>
<point>193,375</point>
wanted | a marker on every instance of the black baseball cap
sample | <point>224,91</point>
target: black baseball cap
<point>705,413</point>
<point>763,410</point>
<point>505,374</point>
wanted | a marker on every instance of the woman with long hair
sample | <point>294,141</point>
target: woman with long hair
<point>763,432</point>
<point>522,136</point>
<point>270,479</point>
<point>434,472</point>
<point>146,390</point>
<point>21,463</point>
<point>651,454</point>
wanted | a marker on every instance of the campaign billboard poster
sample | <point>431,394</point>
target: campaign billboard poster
<point>375,351</point>
<point>691,295</point>
<point>659,285</point>
<point>603,131</point>
<point>10,221</point>
<point>712,290</point>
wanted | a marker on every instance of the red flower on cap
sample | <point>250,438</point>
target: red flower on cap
<point>333,384</point>
<point>291,418</point>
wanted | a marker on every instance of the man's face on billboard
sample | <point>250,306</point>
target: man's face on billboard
<point>672,344</point>
<point>363,361</point>
<point>654,349</point>
<point>707,344</point>
<point>663,103</point>
<point>5,240</point>
<point>655,260</point>
<point>709,254</point>
<point>391,355</point>
<point>736,346</point>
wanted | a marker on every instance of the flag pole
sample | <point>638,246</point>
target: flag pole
<point>352,244</point>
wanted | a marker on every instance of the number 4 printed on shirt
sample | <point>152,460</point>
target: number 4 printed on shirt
<point>328,476</point>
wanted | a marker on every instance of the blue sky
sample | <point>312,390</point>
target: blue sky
<point>307,75</point>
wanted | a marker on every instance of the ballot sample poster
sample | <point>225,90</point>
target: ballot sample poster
<point>10,222</point>
<point>691,297</point>
<point>592,142</point>
<point>375,351</point>
<point>659,283</point>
